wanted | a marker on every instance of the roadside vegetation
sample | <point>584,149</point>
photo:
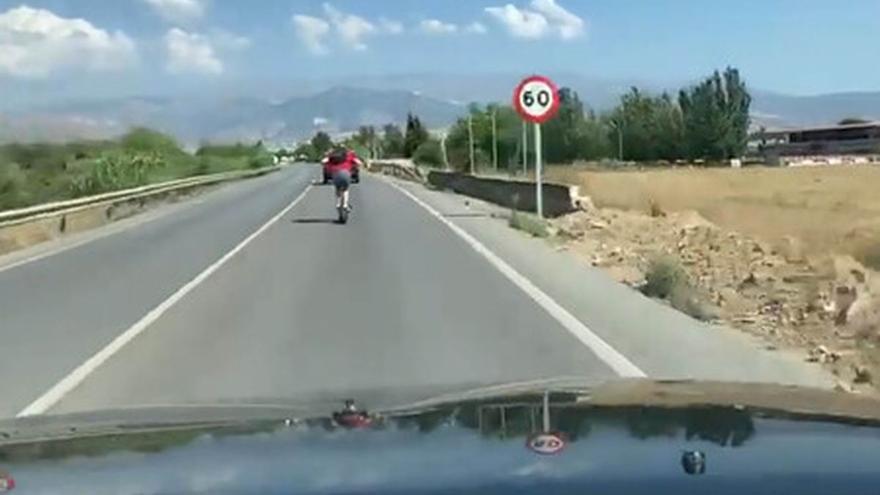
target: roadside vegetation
<point>529,224</point>
<point>414,142</point>
<point>41,172</point>
<point>707,122</point>
<point>666,278</point>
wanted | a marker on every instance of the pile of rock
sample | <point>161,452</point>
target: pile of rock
<point>827,305</point>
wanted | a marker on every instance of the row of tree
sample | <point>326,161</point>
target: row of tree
<point>367,142</point>
<point>709,120</point>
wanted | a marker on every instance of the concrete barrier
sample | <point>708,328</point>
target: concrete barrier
<point>559,199</point>
<point>36,224</point>
<point>401,168</point>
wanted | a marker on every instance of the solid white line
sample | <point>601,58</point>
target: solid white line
<point>77,376</point>
<point>614,359</point>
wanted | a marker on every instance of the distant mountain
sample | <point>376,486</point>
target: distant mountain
<point>338,110</point>
<point>776,110</point>
<point>599,94</point>
<point>372,100</point>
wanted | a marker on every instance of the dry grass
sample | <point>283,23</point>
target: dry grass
<point>833,208</point>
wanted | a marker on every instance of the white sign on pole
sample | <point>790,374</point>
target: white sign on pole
<point>536,99</point>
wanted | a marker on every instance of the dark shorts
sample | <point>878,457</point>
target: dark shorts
<point>342,179</point>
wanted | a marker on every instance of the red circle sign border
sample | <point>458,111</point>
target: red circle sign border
<point>517,104</point>
<point>558,436</point>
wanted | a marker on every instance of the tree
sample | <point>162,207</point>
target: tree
<point>457,143</point>
<point>649,127</point>
<point>480,122</point>
<point>573,133</point>
<point>429,153</point>
<point>321,143</point>
<point>715,114</point>
<point>306,152</point>
<point>392,141</point>
<point>354,144</point>
<point>366,137</point>
<point>416,134</point>
<point>141,139</point>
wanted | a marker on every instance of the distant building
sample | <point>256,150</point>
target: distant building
<point>839,140</point>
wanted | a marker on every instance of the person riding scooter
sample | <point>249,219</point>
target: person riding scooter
<point>340,162</point>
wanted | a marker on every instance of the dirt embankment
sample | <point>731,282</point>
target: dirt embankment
<point>825,305</point>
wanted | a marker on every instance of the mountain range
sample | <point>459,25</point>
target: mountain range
<point>370,100</point>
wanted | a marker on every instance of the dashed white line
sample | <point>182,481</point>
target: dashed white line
<point>78,375</point>
<point>613,358</point>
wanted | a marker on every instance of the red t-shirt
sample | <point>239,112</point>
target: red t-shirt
<point>348,164</point>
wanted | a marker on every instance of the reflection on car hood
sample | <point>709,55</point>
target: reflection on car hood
<point>626,434</point>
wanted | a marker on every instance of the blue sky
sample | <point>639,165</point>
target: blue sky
<point>100,47</point>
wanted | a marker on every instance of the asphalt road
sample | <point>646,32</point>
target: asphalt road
<point>393,306</point>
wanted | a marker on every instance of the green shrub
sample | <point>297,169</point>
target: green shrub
<point>37,156</point>
<point>12,186</point>
<point>147,140</point>
<point>529,224</point>
<point>260,161</point>
<point>237,150</point>
<point>664,274</point>
<point>429,153</point>
<point>666,279</point>
<point>117,171</point>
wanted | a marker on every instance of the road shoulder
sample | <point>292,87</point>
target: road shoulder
<point>661,341</point>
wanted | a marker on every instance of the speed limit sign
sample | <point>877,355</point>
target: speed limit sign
<point>536,99</point>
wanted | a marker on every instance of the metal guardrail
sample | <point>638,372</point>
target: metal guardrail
<point>56,208</point>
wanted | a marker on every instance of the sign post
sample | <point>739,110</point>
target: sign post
<point>525,148</point>
<point>546,442</point>
<point>536,99</point>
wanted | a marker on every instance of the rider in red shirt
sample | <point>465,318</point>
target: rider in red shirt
<point>341,162</point>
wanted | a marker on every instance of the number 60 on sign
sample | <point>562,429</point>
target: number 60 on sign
<point>536,99</point>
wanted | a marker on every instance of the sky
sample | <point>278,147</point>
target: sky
<point>117,47</point>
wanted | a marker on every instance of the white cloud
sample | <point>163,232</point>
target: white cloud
<point>520,23</point>
<point>351,31</point>
<point>568,25</point>
<point>350,28</point>
<point>476,28</point>
<point>312,31</point>
<point>224,40</point>
<point>436,26</point>
<point>545,18</point>
<point>390,26</point>
<point>34,43</point>
<point>191,52</point>
<point>179,10</point>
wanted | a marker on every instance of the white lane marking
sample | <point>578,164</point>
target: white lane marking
<point>614,359</point>
<point>77,376</point>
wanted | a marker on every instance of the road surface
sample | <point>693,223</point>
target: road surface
<point>252,293</point>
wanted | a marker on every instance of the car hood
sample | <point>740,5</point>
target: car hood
<point>481,440</point>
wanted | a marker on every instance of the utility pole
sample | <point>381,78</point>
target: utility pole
<point>471,140</point>
<point>525,147</point>
<point>494,141</point>
<point>443,148</point>
<point>619,128</point>
<point>620,143</point>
